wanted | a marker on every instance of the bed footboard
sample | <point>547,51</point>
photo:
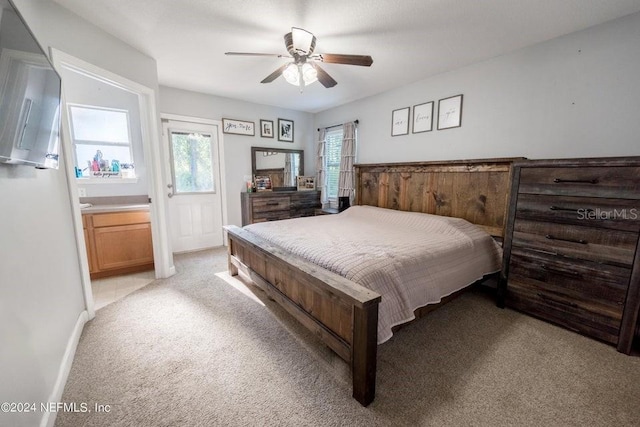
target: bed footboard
<point>343,314</point>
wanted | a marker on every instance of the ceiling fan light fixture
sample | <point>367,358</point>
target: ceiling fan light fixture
<point>304,69</point>
<point>291,74</point>
<point>309,73</point>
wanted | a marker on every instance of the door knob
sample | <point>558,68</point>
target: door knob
<point>170,195</point>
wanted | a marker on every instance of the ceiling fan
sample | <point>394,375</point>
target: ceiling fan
<point>304,69</point>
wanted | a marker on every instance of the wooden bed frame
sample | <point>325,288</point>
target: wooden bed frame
<point>343,314</point>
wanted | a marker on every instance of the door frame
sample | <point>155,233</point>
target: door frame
<point>163,257</point>
<point>165,117</point>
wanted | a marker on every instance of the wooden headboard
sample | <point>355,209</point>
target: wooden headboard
<point>476,190</point>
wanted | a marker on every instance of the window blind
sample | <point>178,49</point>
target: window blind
<point>333,148</point>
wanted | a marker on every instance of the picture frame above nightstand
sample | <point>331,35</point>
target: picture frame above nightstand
<point>450,112</point>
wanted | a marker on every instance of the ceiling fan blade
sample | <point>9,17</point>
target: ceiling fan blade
<point>331,58</point>
<point>277,55</point>
<point>271,77</point>
<point>324,78</point>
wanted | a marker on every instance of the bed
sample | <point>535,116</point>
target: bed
<point>350,306</point>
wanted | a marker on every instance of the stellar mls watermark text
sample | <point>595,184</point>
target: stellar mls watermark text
<point>597,213</point>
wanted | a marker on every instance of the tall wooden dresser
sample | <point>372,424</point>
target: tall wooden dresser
<point>275,205</point>
<point>571,246</point>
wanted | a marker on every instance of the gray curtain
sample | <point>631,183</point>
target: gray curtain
<point>320,178</point>
<point>346,183</point>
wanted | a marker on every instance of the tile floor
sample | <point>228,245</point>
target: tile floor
<point>111,289</point>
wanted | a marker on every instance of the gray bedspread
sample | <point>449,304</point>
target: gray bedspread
<point>411,259</point>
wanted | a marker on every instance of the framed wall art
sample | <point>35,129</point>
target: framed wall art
<point>306,183</point>
<point>450,112</point>
<point>400,122</point>
<point>423,117</point>
<point>238,127</point>
<point>266,128</point>
<point>285,130</point>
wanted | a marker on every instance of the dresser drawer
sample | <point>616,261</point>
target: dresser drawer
<point>613,247</point>
<point>593,320</point>
<point>586,281</point>
<point>612,182</point>
<point>616,214</point>
<point>270,204</point>
<point>271,216</point>
<point>120,218</point>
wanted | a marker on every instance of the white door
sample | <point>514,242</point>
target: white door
<point>195,202</point>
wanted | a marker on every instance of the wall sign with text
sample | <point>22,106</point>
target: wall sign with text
<point>238,127</point>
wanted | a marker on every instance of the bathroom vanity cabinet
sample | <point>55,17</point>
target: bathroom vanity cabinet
<point>118,242</point>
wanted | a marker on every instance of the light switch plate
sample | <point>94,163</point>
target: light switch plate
<point>82,192</point>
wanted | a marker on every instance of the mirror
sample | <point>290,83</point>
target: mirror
<point>280,164</point>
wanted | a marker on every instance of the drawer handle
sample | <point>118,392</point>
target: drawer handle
<point>582,242</point>
<point>557,301</point>
<point>559,208</point>
<point>558,271</point>
<point>575,181</point>
<point>273,203</point>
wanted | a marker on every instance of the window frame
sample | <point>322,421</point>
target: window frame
<point>75,141</point>
<point>333,200</point>
<point>172,163</point>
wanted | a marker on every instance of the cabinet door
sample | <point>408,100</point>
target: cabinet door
<point>123,246</point>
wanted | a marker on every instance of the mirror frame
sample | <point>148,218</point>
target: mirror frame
<point>254,150</point>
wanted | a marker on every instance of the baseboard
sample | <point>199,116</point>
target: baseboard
<point>49,418</point>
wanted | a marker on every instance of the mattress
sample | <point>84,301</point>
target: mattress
<point>411,259</point>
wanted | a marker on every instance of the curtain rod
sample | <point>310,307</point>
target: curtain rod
<point>335,126</point>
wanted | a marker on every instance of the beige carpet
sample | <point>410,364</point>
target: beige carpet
<point>194,351</point>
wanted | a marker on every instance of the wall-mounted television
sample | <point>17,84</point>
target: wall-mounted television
<point>29,96</point>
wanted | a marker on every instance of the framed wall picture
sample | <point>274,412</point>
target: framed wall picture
<point>285,130</point>
<point>306,183</point>
<point>266,128</point>
<point>400,122</point>
<point>422,117</point>
<point>238,127</point>
<point>450,112</point>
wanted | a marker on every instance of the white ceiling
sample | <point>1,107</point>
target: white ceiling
<point>409,40</point>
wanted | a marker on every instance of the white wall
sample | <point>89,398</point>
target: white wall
<point>40,286</point>
<point>574,96</point>
<point>237,148</point>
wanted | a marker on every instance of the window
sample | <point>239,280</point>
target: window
<point>192,163</point>
<point>102,140</point>
<point>332,150</point>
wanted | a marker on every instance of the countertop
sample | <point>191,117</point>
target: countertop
<point>115,208</point>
